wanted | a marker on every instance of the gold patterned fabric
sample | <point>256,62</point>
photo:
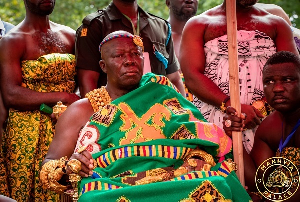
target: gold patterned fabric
<point>29,133</point>
<point>292,154</point>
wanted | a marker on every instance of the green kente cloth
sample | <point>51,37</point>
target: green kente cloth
<point>154,127</point>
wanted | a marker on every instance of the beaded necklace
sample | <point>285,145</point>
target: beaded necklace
<point>98,98</point>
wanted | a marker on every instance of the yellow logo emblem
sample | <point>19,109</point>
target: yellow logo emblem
<point>277,179</point>
<point>84,32</point>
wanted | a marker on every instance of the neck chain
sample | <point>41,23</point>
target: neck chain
<point>282,145</point>
<point>137,30</point>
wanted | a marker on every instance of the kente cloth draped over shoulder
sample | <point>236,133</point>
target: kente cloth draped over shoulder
<point>29,133</point>
<point>254,49</point>
<point>147,133</point>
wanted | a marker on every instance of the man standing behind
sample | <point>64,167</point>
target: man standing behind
<point>5,27</point>
<point>204,59</point>
<point>37,66</point>
<point>128,16</point>
<point>180,12</point>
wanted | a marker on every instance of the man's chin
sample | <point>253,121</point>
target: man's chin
<point>284,109</point>
<point>131,80</point>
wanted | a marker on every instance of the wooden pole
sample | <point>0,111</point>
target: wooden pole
<point>234,84</point>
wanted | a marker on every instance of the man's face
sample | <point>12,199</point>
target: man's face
<point>183,9</point>
<point>246,3</point>
<point>282,86</point>
<point>128,1</point>
<point>123,62</point>
<point>40,7</point>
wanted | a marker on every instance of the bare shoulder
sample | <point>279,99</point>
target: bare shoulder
<point>59,28</point>
<point>80,109</point>
<point>14,40</point>
<point>274,9</point>
<point>270,15</point>
<point>269,130</point>
<point>207,17</point>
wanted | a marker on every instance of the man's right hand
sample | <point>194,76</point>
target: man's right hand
<point>70,98</point>
<point>87,163</point>
<point>253,116</point>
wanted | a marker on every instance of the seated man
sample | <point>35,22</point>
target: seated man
<point>278,134</point>
<point>147,141</point>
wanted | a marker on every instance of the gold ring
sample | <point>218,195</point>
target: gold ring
<point>95,164</point>
<point>81,149</point>
<point>75,165</point>
<point>227,123</point>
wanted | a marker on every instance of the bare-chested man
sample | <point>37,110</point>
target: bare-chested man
<point>5,27</point>
<point>204,59</point>
<point>180,11</point>
<point>37,66</point>
<point>279,134</point>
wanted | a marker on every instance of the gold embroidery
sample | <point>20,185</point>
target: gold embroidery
<point>139,129</point>
<point>202,155</point>
<point>110,145</point>
<point>84,32</point>
<point>207,130</point>
<point>182,133</point>
<point>105,115</point>
<point>174,105</point>
<point>223,143</point>
<point>123,199</point>
<point>155,172</point>
<point>206,192</point>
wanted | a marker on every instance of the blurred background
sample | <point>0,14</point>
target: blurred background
<point>71,12</point>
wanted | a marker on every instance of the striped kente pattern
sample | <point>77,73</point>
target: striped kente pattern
<point>196,175</point>
<point>97,185</point>
<point>224,169</point>
<point>146,151</point>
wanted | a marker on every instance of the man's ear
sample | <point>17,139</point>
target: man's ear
<point>103,66</point>
<point>168,3</point>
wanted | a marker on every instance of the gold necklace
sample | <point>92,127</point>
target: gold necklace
<point>98,98</point>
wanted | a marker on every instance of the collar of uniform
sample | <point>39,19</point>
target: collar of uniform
<point>114,13</point>
<point>1,24</point>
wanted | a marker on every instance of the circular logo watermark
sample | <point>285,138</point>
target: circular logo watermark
<point>277,179</point>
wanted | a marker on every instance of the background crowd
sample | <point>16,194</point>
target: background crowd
<point>13,11</point>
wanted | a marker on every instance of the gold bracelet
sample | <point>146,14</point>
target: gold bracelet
<point>222,107</point>
<point>74,165</point>
<point>51,173</point>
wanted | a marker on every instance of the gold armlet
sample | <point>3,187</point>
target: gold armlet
<point>51,173</point>
<point>202,155</point>
<point>98,98</point>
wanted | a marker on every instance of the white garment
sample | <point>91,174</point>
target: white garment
<point>2,29</point>
<point>254,48</point>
